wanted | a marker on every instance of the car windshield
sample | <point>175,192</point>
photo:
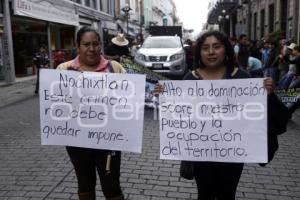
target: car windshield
<point>162,43</point>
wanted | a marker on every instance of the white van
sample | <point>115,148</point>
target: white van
<point>163,54</point>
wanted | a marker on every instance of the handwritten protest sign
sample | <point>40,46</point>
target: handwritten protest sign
<point>219,120</point>
<point>93,110</point>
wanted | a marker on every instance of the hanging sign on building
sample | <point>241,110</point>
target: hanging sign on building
<point>53,11</point>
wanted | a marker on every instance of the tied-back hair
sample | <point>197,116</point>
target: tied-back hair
<point>82,31</point>
<point>229,60</point>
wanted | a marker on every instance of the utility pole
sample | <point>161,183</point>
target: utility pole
<point>8,53</point>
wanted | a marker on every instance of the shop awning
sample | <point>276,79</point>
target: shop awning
<point>53,11</point>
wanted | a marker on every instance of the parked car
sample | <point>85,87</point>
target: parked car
<point>163,54</point>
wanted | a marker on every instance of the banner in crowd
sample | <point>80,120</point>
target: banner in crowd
<point>288,96</point>
<point>134,68</point>
<point>219,120</point>
<point>93,110</point>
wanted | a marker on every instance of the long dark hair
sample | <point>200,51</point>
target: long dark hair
<point>84,30</point>
<point>229,61</point>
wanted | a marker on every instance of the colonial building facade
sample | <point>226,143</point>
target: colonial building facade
<point>257,18</point>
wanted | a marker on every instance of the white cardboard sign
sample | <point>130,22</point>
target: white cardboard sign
<point>92,109</point>
<point>214,120</point>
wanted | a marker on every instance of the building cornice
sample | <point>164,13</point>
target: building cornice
<point>91,13</point>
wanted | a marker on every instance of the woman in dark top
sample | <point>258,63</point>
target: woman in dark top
<point>214,60</point>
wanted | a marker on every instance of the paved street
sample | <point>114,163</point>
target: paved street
<point>22,89</point>
<point>29,171</point>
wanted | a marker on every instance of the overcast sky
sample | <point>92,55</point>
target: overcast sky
<point>193,13</point>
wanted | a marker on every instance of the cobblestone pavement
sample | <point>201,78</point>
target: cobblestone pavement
<point>29,171</point>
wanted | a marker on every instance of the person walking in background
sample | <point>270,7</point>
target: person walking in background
<point>296,79</point>
<point>233,41</point>
<point>255,67</point>
<point>189,52</point>
<point>241,51</point>
<point>85,160</point>
<point>118,48</point>
<point>290,59</point>
<point>283,67</point>
<point>73,52</point>
<point>265,53</point>
<point>134,47</point>
<point>255,49</point>
<point>214,60</point>
<point>59,57</point>
<point>272,62</point>
<point>295,84</point>
<point>40,60</point>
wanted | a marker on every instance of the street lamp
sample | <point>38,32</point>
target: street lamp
<point>126,10</point>
<point>222,19</point>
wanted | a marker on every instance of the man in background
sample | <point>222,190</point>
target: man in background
<point>118,48</point>
<point>241,51</point>
<point>40,60</point>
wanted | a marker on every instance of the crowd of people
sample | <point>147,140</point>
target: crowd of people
<point>276,59</point>
<point>279,60</point>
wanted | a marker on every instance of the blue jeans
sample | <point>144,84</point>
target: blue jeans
<point>285,81</point>
<point>272,72</point>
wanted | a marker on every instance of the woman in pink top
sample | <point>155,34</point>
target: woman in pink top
<point>85,160</point>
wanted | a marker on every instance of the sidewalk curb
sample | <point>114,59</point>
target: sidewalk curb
<point>21,89</point>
